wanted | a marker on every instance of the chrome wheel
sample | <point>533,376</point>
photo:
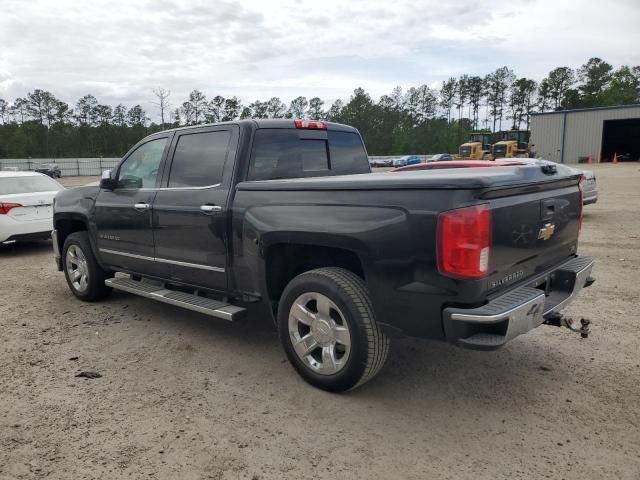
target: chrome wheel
<point>319,333</point>
<point>77,268</point>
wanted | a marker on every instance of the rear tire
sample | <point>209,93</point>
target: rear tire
<point>84,276</point>
<point>328,329</point>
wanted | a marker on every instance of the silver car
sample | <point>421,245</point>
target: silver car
<point>588,183</point>
<point>589,187</point>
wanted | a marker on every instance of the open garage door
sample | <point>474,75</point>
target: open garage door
<point>621,137</point>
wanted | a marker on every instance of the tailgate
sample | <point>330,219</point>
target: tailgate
<point>534,227</point>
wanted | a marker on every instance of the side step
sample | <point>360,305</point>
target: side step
<point>188,301</point>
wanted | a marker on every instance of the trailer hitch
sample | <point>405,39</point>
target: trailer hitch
<point>558,320</point>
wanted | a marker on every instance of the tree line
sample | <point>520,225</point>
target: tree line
<point>419,120</point>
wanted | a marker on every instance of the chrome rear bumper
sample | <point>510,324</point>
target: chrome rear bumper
<point>519,310</point>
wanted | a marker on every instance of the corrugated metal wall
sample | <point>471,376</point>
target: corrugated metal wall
<point>583,136</point>
<point>546,136</point>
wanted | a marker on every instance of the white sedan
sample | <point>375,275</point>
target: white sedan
<point>26,206</point>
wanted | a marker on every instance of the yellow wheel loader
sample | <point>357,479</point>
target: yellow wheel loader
<point>514,144</point>
<point>477,148</point>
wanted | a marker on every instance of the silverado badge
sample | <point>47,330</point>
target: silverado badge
<point>547,231</point>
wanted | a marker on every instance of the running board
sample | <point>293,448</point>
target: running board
<point>188,301</point>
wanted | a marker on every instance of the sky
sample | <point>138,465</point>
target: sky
<point>120,50</point>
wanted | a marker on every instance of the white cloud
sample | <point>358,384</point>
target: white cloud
<point>119,50</point>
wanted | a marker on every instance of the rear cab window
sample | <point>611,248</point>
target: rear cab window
<point>297,153</point>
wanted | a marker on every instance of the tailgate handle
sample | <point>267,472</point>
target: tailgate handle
<point>549,169</point>
<point>547,208</point>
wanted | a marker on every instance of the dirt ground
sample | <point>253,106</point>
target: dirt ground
<point>185,396</point>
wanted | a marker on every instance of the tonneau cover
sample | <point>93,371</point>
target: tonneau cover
<point>460,179</point>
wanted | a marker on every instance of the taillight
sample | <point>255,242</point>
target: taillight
<point>464,242</point>
<point>6,207</point>
<point>311,124</point>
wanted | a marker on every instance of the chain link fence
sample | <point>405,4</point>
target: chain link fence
<point>69,167</point>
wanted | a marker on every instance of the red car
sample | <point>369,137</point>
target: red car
<point>458,164</point>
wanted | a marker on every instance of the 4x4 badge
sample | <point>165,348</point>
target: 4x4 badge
<point>547,231</point>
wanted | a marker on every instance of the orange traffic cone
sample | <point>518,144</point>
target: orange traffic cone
<point>590,159</point>
<point>615,157</point>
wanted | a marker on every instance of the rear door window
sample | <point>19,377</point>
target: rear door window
<point>348,155</point>
<point>199,159</point>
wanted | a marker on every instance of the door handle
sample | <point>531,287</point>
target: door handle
<point>142,206</point>
<point>210,208</point>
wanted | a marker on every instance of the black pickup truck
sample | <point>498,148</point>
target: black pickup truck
<point>285,217</point>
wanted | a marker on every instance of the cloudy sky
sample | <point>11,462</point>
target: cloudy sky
<point>120,50</point>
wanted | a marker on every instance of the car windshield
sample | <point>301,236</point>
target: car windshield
<point>47,165</point>
<point>28,184</point>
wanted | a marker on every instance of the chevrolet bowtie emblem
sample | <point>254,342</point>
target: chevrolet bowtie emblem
<point>547,231</point>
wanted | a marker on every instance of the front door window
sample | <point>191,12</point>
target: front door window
<point>140,169</point>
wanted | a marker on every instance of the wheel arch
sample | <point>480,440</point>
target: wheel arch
<point>284,261</point>
<point>68,224</point>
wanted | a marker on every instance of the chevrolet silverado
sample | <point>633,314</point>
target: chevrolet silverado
<point>285,218</point>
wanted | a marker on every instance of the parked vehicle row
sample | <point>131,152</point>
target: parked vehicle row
<point>405,160</point>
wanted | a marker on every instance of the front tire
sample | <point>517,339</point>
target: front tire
<point>84,276</point>
<point>328,329</point>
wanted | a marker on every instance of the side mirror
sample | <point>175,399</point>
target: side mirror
<point>129,182</point>
<point>106,182</point>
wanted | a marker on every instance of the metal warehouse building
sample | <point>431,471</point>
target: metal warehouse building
<point>570,136</point>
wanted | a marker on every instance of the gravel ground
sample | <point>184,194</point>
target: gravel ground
<point>185,396</point>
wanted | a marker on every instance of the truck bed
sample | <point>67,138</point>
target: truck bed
<point>395,233</point>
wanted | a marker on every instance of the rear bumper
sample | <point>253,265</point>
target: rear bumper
<point>519,310</point>
<point>13,230</point>
<point>56,250</point>
<point>590,197</point>
<point>28,237</point>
